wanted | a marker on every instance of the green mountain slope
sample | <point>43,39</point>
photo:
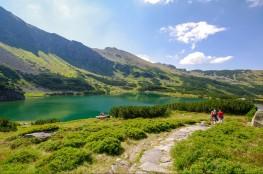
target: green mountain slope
<point>36,62</point>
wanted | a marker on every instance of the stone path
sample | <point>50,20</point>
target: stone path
<point>154,155</point>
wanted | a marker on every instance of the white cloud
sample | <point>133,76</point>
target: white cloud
<point>200,58</point>
<point>146,57</point>
<point>217,60</point>
<point>193,59</point>
<point>191,32</point>
<point>255,3</point>
<point>158,1</point>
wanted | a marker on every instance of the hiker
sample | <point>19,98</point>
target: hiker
<point>214,118</point>
<point>220,116</point>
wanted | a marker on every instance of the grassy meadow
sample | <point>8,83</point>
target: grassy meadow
<point>84,145</point>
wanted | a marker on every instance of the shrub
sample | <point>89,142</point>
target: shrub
<point>135,133</point>
<point>51,145</point>
<point>100,135</point>
<point>64,159</point>
<point>24,156</point>
<point>251,113</point>
<point>228,106</point>
<point>21,142</point>
<point>75,142</point>
<point>108,145</point>
<point>128,112</point>
<point>41,122</point>
<point>6,126</point>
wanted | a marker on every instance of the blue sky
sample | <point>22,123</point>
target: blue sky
<point>192,34</point>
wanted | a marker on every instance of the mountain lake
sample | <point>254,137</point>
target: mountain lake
<point>66,108</point>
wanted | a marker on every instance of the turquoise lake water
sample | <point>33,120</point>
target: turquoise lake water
<point>68,108</point>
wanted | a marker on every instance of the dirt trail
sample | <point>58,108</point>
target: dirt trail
<point>152,155</point>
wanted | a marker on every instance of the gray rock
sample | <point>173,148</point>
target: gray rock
<point>257,120</point>
<point>39,135</point>
<point>152,167</point>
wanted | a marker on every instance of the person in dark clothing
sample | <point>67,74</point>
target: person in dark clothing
<point>214,118</point>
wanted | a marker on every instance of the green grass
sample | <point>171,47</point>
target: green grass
<point>232,147</point>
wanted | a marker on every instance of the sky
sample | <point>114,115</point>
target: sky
<point>190,34</point>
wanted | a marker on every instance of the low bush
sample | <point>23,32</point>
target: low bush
<point>135,133</point>
<point>65,159</point>
<point>76,141</point>
<point>128,112</point>
<point>26,155</point>
<point>41,122</point>
<point>108,145</point>
<point>157,127</point>
<point>51,145</point>
<point>100,135</point>
<point>7,126</point>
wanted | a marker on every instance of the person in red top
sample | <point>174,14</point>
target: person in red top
<point>220,116</point>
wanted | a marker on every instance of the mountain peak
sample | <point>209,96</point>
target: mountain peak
<point>17,33</point>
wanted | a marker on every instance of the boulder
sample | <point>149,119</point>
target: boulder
<point>257,120</point>
<point>39,135</point>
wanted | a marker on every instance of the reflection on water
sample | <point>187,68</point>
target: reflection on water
<point>76,107</point>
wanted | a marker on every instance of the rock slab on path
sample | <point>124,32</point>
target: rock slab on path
<point>257,120</point>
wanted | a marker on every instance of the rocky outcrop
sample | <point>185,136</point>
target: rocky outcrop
<point>257,120</point>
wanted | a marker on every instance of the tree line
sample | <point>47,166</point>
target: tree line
<point>230,106</point>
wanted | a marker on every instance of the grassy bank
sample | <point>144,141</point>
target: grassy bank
<point>84,145</point>
<point>233,147</point>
